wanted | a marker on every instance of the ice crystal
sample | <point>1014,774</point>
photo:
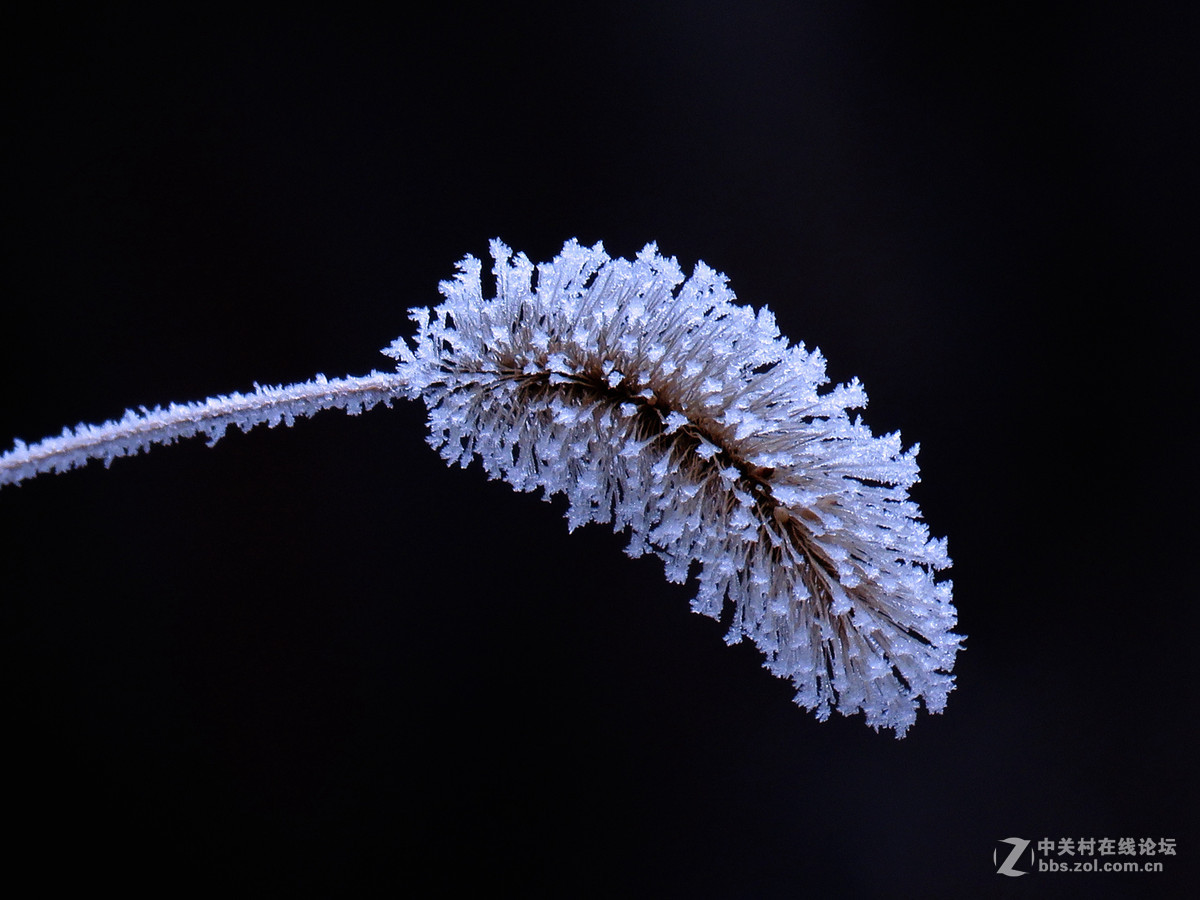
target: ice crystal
<point>653,402</point>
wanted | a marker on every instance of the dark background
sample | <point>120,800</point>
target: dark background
<point>317,658</point>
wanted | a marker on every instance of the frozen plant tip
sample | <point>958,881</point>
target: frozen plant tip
<point>651,401</point>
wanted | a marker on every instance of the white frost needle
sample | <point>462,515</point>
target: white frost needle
<point>651,401</point>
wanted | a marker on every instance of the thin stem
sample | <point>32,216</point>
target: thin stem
<point>138,430</point>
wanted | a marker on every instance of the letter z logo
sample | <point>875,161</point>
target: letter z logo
<point>1006,867</point>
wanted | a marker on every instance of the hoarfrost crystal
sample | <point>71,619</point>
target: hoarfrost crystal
<point>653,402</point>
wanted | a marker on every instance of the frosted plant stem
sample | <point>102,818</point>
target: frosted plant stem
<point>655,403</point>
<point>137,431</point>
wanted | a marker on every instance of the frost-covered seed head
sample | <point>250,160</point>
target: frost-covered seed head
<point>653,402</point>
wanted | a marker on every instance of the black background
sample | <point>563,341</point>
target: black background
<point>317,658</point>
